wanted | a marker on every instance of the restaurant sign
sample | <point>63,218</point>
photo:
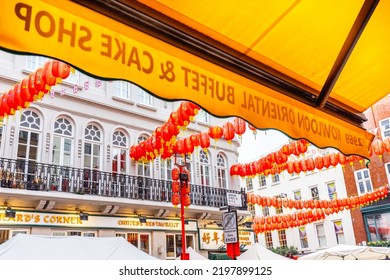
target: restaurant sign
<point>73,220</point>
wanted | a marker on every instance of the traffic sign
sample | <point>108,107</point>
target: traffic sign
<point>230,227</point>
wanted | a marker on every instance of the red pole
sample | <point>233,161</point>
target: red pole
<point>183,229</point>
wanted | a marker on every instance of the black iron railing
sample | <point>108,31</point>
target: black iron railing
<point>30,175</point>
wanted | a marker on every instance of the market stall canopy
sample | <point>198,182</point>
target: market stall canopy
<point>194,255</point>
<point>349,252</point>
<point>306,68</point>
<point>41,247</point>
<point>259,252</point>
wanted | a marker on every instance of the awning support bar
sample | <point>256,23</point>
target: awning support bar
<point>349,44</point>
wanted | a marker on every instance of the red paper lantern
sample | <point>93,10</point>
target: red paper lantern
<point>342,159</point>
<point>24,93</point>
<point>204,140</point>
<point>287,149</point>
<point>175,199</point>
<point>326,161</point>
<point>310,164</point>
<point>133,152</point>
<point>175,173</point>
<point>254,130</point>
<point>280,157</point>
<point>290,167</point>
<point>60,69</point>
<point>215,132</point>
<point>182,117</point>
<point>297,167</point>
<point>10,101</point>
<point>180,146</point>
<point>39,83</point>
<point>386,143</point>
<point>302,145</point>
<point>233,170</point>
<point>195,139</point>
<point>334,159</point>
<point>31,87</point>
<point>188,146</point>
<point>175,186</point>
<point>378,147</point>
<point>186,200</point>
<point>228,131</point>
<point>47,74</point>
<point>239,126</point>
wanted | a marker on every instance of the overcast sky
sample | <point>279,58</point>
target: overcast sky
<point>265,142</point>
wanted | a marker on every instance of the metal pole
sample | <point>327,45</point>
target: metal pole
<point>183,226</point>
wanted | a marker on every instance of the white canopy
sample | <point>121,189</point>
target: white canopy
<point>194,255</point>
<point>258,252</point>
<point>349,252</point>
<point>36,247</point>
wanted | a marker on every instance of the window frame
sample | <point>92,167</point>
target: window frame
<point>363,180</point>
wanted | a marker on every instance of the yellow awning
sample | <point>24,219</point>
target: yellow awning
<point>307,68</point>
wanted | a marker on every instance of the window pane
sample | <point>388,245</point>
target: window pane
<point>144,238</point>
<point>88,149</point>
<point>133,238</point>
<point>170,246</point>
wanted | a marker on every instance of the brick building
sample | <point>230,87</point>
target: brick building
<point>372,223</point>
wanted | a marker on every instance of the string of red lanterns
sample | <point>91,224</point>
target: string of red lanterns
<point>33,87</point>
<point>277,162</point>
<point>314,212</point>
<point>163,141</point>
<point>349,202</point>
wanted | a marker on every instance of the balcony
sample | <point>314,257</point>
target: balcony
<point>40,177</point>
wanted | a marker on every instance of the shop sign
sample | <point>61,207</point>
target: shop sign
<point>213,239</point>
<point>73,220</point>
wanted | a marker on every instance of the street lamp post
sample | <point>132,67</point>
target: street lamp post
<point>183,177</point>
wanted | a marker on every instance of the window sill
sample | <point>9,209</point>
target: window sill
<point>124,100</point>
<point>147,107</point>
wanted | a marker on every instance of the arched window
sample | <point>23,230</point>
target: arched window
<point>119,152</point>
<point>62,142</point>
<point>29,136</point>
<point>221,171</point>
<point>93,147</point>
<point>143,168</point>
<point>29,144</point>
<point>204,168</point>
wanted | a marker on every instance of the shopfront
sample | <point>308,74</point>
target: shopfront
<point>211,240</point>
<point>158,237</point>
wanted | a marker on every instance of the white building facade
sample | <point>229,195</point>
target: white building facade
<point>68,154</point>
<point>324,184</point>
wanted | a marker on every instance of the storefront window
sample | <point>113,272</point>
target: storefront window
<point>139,240</point>
<point>379,227</point>
<point>174,244</point>
<point>6,234</point>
